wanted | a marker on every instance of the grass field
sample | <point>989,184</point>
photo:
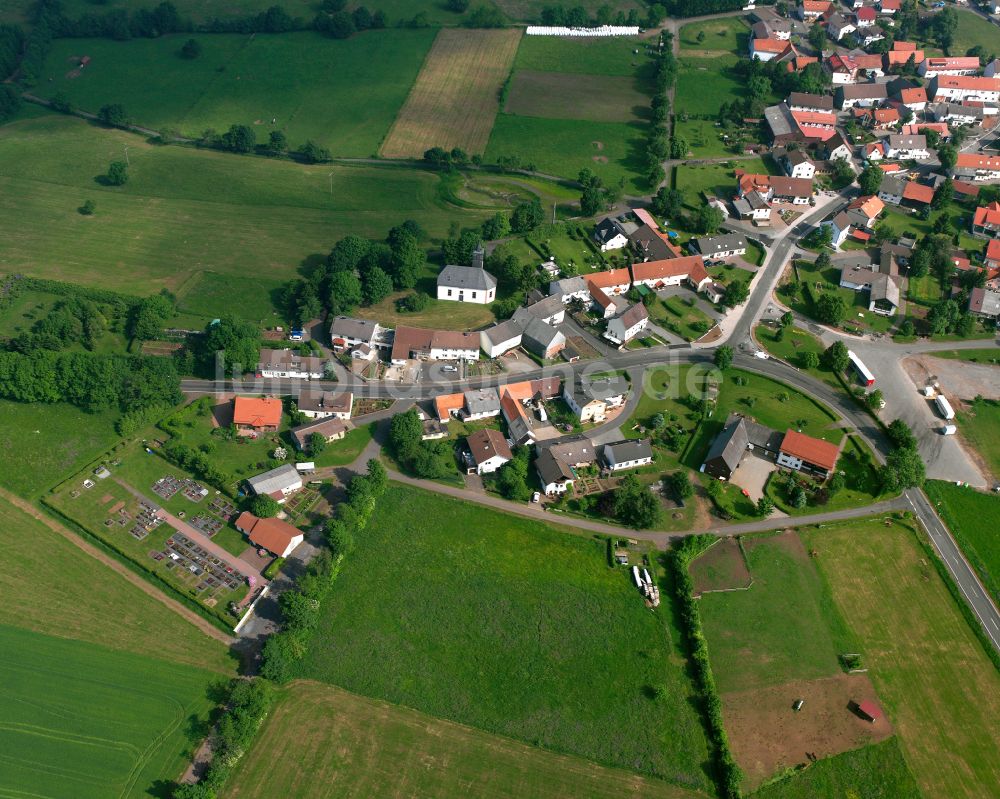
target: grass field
<point>185,210</point>
<point>612,56</point>
<point>41,444</point>
<point>305,82</point>
<point>455,98</point>
<point>901,222</point>
<point>704,84</point>
<point>971,517</point>
<point>989,356</point>
<point>873,772</point>
<point>511,627</point>
<point>715,179</point>
<point>613,150</point>
<point>85,721</point>
<point>938,687</point>
<point>558,95</point>
<point>980,426</point>
<point>974,31</point>
<point>52,587</point>
<point>359,747</point>
<point>858,318</point>
<point>755,639</point>
<point>727,34</point>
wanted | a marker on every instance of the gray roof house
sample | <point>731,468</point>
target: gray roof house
<point>739,436</point>
<point>470,278</point>
<point>353,331</point>
<point>627,454</point>
<point>555,474</point>
<point>720,246</point>
<point>281,481</point>
<point>884,298</point>
<point>501,337</point>
<point>541,339</point>
<point>481,403</point>
<point>568,288</point>
<point>984,302</point>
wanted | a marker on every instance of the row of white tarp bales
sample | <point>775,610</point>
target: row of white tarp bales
<point>603,30</point>
<point>645,585</point>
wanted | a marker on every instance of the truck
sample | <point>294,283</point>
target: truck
<point>949,430</point>
<point>867,378</point>
<point>944,407</point>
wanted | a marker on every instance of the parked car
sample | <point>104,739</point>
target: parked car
<point>536,497</point>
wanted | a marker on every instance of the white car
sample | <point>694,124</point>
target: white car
<point>536,497</point>
<point>761,354</point>
<point>449,368</point>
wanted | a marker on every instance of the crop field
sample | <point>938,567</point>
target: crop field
<point>303,84</point>
<point>937,686</point>
<point>557,95</point>
<point>722,568</point>
<point>513,627</point>
<point>40,444</point>
<point>612,56</point>
<point>612,150</point>
<point>321,739</point>
<point>84,721</point>
<point>971,516</point>
<point>529,9</point>
<point>51,586</point>
<point>184,211</point>
<point>455,98</point>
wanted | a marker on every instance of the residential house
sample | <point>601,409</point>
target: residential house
<point>319,404</point>
<point>651,244</point>
<point>992,257</point>
<point>724,245</point>
<point>278,364</point>
<point>861,94</point>
<point>984,303</point>
<point>811,10</point>
<point>488,451</point>
<point>753,206</point>
<point>797,191</point>
<point>501,338</point>
<point>901,53</point>
<point>578,452</point>
<point>986,220</point>
<point>939,128</point>
<point>767,49</point>
<point>772,28</point>
<point>627,454</point>
<point>417,343</point>
<point>797,164</point>
<point>856,272</point>
<point>864,17</point>
<point>912,97</point>
<point>542,340</point>
<point>549,310</point>
<point>908,148</point>
<point>276,536</point>
<point>611,282</point>
<point>739,436</point>
<point>885,118</point>
<point>278,483</point>
<point>255,415</point>
<point>803,101</point>
<point>884,297</point>
<point>842,68</point>
<point>977,167</point>
<point>840,228</point>
<point>569,289</point>
<point>467,283</point>
<point>480,403</point>
<point>605,305</point>
<point>957,115</point>
<point>963,88</point>
<point>626,325</point>
<point>891,189</point>
<point>362,352</point>
<point>839,25</point>
<point>520,424</point>
<point>555,475</point>
<point>331,429</point>
<point>807,454</point>
<point>611,234</point>
<point>948,65</point>
<point>656,275</point>
<point>820,125</point>
<point>873,151</point>
<point>916,195</point>
<point>866,210</point>
<point>591,404</point>
<point>889,8</point>
<point>347,332</point>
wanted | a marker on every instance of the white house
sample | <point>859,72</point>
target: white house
<point>891,189</point>
<point>417,343</point>
<point>319,404</point>
<point>347,332</point>
<point>610,234</point>
<point>839,26</point>
<point>766,49</point>
<point>289,364</point>
<point>798,165</point>
<point>569,289</point>
<point>905,148</point>
<point>725,245</point>
<point>555,475</point>
<point>628,324</point>
<point>840,227</point>
<point>627,454</point>
<point>488,451</point>
<point>500,338</point>
<point>954,65</point>
<point>963,88</point>
<point>466,284</point>
<point>977,167</point>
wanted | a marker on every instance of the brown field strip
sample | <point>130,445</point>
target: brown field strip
<point>557,95</point>
<point>321,741</point>
<point>455,98</point>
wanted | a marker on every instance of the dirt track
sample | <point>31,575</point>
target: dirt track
<point>205,626</point>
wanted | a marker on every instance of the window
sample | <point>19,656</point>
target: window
<point>473,295</point>
<point>449,292</point>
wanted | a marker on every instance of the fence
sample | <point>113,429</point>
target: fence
<point>604,30</point>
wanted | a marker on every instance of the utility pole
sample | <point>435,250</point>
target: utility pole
<point>331,184</point>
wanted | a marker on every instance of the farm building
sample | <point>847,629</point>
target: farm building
<point>276,483</point>
<point>807,454</point>
<point>277,537</point>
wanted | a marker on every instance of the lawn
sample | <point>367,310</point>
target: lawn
<point>85,721</point>
<point>562,147</point>
<point>901,222</point>
<point>363,747</point>
<point>813,283</point>
<point>704,84</point>
<point>877,771</point>
<point>455,97</point>
<point>719,180</point>
<point>973,31</point>
<point>980,425</point>
<point>345,451</point>
<point>52,587</point>
<point>41,444</point>
<point>299,83</point>
<point>792,346</point>
<point>729,34</point>
<point>984,356</point>
<point>971,517</point>
<point>939,689</point>
<point>251,221</point>
<point>755,640</point>
<point>703,138</point>
<point>612,56</point>
<point>513,627</point>
<point>686,320</point>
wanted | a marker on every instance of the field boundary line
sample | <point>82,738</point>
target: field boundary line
<point>172,604</point>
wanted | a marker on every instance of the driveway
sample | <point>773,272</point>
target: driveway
<point>751,475</point>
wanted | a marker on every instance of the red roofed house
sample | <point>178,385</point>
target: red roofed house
<point>672,272</point>
<point>960,88</point>
<point>917,193</point>
<point>252,414</point>
<point>902,52</point>
<point>609,307</point>
<point>868,710</point>
<point>865,16</point>
<point>890,7</point>
<point>811,10</point>
<point>978,167</point>
<point>869,207</point>
<point>915,98</point>
<point>993,256</point>
<point>766,49</point>
<point>955,65</point>
<point>815,124</point>
<point>614,281</point>
<point>885,118</point>
<point>807,454</point>
<point>986,221</point>
<point>277,537</point>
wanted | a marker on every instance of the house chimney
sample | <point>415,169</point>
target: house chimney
<point>478,257</point>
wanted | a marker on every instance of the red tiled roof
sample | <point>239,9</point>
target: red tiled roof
<point>961,187</point>
<point>918,192</point>
<point>610,279</point>
<point>987,214</point>
<point>860,235</point>
<point>870,206</point>
<point>953,62</point>
<point>870,709</point>
<point>977,161</point>
<point>274,535</point>
<point>865,12</point>
<point>993,250</point>
<point>254,412</point>
<point>902,56</point>
<point>918,94</point>
<point>920,127</point>
<point>644,216</point>
<point>812,450</point>
<point>887,168</point>
<point>892,5</point>
<point>903,47</point>
<point>769,45</point>
<point>886,116</point>
<point>961,263</point>
<point>968,82</point>
<point>816,6</point>
<point>672,267</point>
<point>446,403</point>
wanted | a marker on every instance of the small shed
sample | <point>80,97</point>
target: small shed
<point>868,710</point>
